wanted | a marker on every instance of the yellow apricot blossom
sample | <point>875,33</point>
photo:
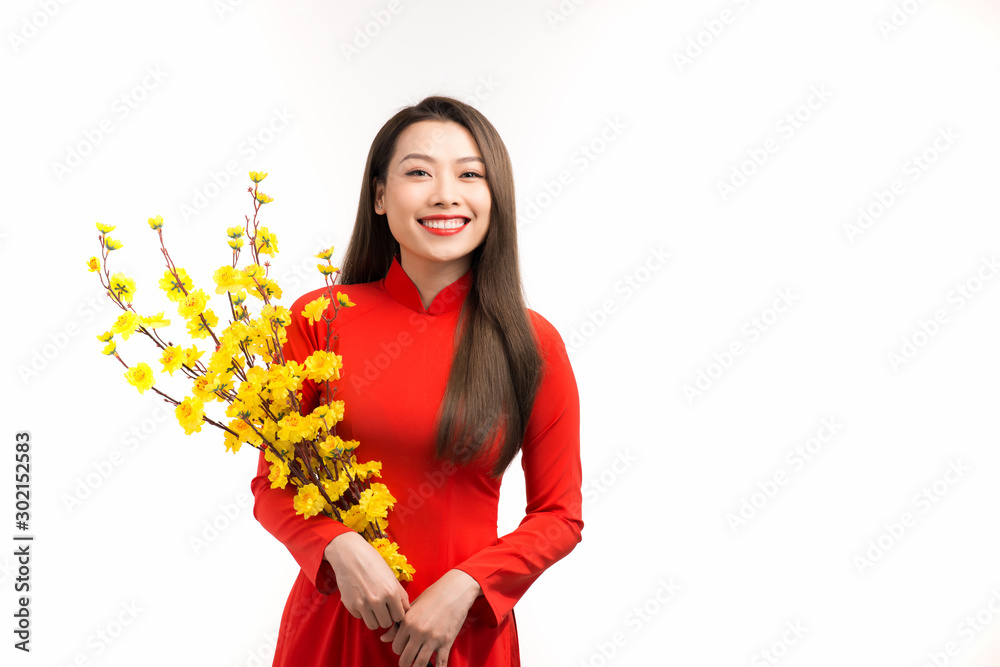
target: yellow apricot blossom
<point>126,324</point>
<point>365,470</point>
<point>354,518</point>
<point>140,376</point>
<point>93,264</point>
<point>154,321</point>
<point>314,310</point>
<point>322,365</point>
<point>176,288</point>
<point>172,359</point>
<point>200,329</point>
<point>122,287</point>
<point>228,279</point>
<point>192,355</point>
<point>308,501</point>
<point>193,304</point>
<point>189,414</point>
<point>344,300</point>
<point>395,560</point>
<point>266,242</point>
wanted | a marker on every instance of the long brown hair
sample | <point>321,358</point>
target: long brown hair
<point>496,367</point>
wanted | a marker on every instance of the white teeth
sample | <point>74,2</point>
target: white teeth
<point>454,223</point>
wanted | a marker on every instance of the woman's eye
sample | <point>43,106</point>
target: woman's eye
<point>421,171</point>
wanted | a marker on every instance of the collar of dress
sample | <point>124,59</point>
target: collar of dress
<point>401,288</point>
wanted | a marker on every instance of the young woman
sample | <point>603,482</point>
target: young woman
<point>447,375</point>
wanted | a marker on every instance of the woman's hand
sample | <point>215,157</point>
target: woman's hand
<point>434,620</point>
<point>368,588</point>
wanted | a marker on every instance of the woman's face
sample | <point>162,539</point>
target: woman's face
<point>436,170</point>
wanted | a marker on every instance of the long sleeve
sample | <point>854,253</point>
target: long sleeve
<point>305,539</point>
<point>550,459</point>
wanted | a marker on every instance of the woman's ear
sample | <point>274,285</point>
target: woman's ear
<point>379,190</point>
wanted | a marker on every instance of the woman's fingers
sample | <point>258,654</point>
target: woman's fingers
<point>368,616</point>
<point>391,634</point>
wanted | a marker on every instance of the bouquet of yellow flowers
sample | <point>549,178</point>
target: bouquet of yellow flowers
<point>248,373</point>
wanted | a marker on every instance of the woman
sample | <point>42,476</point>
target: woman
<point>446,376</point>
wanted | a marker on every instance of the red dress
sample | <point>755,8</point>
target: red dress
<point>396,358</point>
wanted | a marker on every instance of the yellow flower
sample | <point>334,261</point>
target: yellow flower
<point>189,414</point>
<point>266,286</point>
<point>332,444</point>
<point>325,254</point>
<point>278,476</point>
<point>192,355</point>
<point>326,269</point>
<point>156,223</point>
<point>263,198</point>
<point>126,324</point>
<point>175,289</point>
<point>344,300</point>
<point>376,501</point>
<point>123,287</point>
<point>336,412</point>
<point>253,271</point>
<point>93,264</point>
<point>365,470</point>
<point>257,176</point>
<point>397,561</point>
<point>279,469</point>
<point>308,501</point>
<point>354,518</point>
<point>234,232</point>
<point>218,382</point>
<point>228,279</point>
<point>322,365</point>
<point>266,242</point>
<point>314,309</point>
<point>172,359</point>
<point>335,488</point>
<point>193,304</point>
<point>154,321</point>
<point>281,380</point>
<point>105,337</point>
<point>232,442</point>
<point>110,348</point>
<point>111,244</point>
<point>244,432</point>
<point>235,244</point>
<point>104,229</point>
<point>197,328</point>
<point>200,391</point>
<point>140,376</point>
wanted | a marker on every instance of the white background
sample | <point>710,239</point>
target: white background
<point>665,469</point>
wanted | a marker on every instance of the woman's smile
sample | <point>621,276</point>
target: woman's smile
<point>442,225</point>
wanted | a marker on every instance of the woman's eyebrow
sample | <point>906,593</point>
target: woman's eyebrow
<point>428,158</point>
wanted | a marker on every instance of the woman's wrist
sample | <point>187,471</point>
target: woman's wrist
<point>472,588</point>
<point>331,552</point>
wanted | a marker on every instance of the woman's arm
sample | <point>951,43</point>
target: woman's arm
<point>550,458</point>
<point>305,539</point>
<point>331,554</point>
